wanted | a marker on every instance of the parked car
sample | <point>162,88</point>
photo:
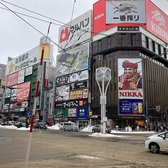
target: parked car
<point>70,126</point>
<point>40,125</point>
<point>97,128</point>
<point>18,124</point>
<point>157,143</point>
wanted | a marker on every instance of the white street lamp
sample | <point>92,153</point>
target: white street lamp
<point>103,74</point>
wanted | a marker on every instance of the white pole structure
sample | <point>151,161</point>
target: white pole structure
<point>34,106</point>
<point>103,74</point>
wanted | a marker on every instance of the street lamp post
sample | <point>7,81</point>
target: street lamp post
<point>103,74</point>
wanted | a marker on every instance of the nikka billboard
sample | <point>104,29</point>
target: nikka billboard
<point>157,21</point>
<point>130,86</point>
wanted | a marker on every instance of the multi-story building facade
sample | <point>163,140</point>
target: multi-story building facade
<point>3,72</point>
<point>73,71</point>
<point>131,41</point>
<point>21,79</point>
<point>129,37</point>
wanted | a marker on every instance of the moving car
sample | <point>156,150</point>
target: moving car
<point>97,128</point>
<point>157,143</point>
<point>40,125</point>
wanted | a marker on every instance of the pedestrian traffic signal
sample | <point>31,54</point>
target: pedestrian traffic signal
<point>157,108</point>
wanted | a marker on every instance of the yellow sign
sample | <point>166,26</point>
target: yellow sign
<point>46,50</point>
<point>90,113</point>
<point>11,67</point>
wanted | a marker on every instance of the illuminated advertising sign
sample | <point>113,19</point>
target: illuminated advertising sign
<point>131,107</point>
<point>73,60</point>
<point>79,85</point>
<point>29,71</point>
<point>79,76</point>
<point>76,31</point>
<point>12,79</point>
<point>79,103</point>
<point>62,93</point>
<point>128,28</point>
<point>157,21</point>
<point>29,58</point>
<point>62,80</point>
<point>71,104</point>
<point>82,114</point>
<point>108,14</point>
<point>21,75</point>
<point>125,11</point>
<point>22,91</point>
<point>78,94</point>
<point>130,88</point>
<point>72,112</point>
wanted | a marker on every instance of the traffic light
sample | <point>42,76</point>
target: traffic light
<point>157,108</point>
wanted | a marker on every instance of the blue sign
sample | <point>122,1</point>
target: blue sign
<point>131,107</point>
<point>28,113</point>
<point>82,113</point>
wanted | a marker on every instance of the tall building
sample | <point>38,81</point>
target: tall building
<point>3,72</point>
<point>73,71</point>
<point>21,78</point>
<point>130,38</point>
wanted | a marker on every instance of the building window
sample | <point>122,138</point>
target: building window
<point>159,50</point>
<point>153,46</point>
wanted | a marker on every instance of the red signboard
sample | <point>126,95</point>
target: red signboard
<point>99,19</point>
<point>22,91</point>
<point>157,21</point>
<point>12,79</point>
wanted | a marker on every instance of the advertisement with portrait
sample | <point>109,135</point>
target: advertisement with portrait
<point>76,31</point>
<point>73,60</point>
<point>157,21</point>
<point>82,114</point>
<point>79,76</point>
<point>78,94</point>
<point>62,93</point>
<point>130,88</point>
<point>108,14</point>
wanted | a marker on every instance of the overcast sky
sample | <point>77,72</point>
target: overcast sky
<point>18,37</point>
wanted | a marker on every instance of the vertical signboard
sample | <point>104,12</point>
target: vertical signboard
<point>21,75</point>
<point>157,21</point>
<point>130,91</point>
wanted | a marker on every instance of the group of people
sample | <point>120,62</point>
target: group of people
<point>161,128</point>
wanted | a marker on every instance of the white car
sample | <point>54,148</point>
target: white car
<point>157,143</point>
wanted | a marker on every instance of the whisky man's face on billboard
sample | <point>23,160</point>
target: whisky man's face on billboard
<point>129,72</point>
